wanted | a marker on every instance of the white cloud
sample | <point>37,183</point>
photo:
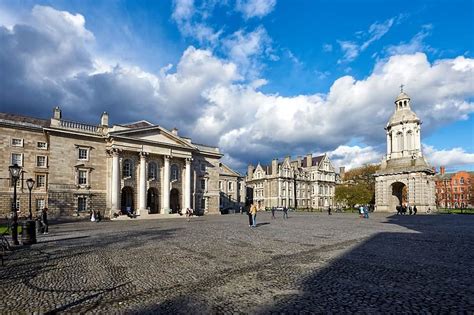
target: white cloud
<point>456,157</point>
<point>352,49</point>
<point>255,8</point>
<point>354,156</point>
<point>416,44</point>
<point>207,99</point>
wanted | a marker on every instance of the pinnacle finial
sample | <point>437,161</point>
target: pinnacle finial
<point>401,88</point>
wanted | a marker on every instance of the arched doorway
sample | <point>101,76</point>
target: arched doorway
<point>399,195</point>
<point>127,199</point>
<point>174,201</point>
<point>152,202</point>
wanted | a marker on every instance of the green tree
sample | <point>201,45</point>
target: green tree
<point>353,194</point>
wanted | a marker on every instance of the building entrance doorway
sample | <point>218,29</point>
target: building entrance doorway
<point>399,195</point>
<point>174,201</point>
<point>127,200</point>
<point>152,203</point>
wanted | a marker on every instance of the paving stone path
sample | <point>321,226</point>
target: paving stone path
<point>310,263</point>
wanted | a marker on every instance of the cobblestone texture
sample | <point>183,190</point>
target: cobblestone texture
<point>310,263</point>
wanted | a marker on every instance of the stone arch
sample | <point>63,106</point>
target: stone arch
<point>174,201</point>
<point>399,194</point>
<point>152,200</point>
<point>127,199</point>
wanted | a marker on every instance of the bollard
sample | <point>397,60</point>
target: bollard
<point>28,234</point>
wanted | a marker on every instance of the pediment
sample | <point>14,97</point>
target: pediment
<point>154,134</point>
<point>225,170</point>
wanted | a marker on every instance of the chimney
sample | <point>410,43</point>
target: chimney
<point>175,131</point>
<point>57,113</point>
<point>104,119</point>
<point>442,169</point>
<point>250,169</point>
<point>342,171</point>
<point>309,160</point>
<point>298,160</point>
<point>274,167</point>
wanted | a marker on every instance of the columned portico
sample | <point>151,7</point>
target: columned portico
<point>166,184</point>
<point>187,185</point>
<point>115,180</point>
<point>142,185</point>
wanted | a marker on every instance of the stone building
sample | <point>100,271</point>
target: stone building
<point>232,188</point>
<point>78,167</point>
<point>311,179</point>
<point>404,176</point>
<point>454,190</point>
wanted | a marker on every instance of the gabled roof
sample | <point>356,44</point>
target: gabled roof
<point>226,170</point>
<point>314,161</point>
<point>138,124</point>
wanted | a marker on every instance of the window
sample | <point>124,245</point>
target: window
<point>203,184</point>
<point>174,172</point>
<point>82,177</point>
<point>152,171</point>
<point>461,181</point>
<point>231,186</point>
<point>83,154</point>
<point>17,158</point>
<point>127,168</point>
<point>400,141</point>
<point>40,181</point>
<point>17,142</point>
<point>82,204</point>
<point>39,204</point>
<point>41,161</point>
<point>203,203</point>
<point>220,185</point>
<point>41,145</point>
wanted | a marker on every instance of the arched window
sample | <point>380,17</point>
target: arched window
<point>174,172</point>
<point>409,140</point>
<point>127,168</point>
<point>400,141</point>
<point>405,103</point>
<point>152,171</point>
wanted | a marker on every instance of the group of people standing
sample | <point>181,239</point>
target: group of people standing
<point>402,209</point>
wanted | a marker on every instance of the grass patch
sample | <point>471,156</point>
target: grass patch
<point>4,229</point>
<point>456,211</point>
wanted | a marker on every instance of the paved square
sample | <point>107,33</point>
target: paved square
<point>217,264</point>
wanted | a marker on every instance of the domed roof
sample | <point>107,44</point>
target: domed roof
<point>402,115</point>
<point>402,96</point>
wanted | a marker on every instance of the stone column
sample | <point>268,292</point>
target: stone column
<point>142,185</point>
<point>166,184</point>
<point>115,185</point>
<point>187,185</point>
<point>389,144</point>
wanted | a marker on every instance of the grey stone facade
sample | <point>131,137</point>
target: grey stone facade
<point>311,179</point>
<point>80,167</point>
<point>404,177</point>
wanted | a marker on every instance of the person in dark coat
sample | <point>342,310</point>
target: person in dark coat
<point>44,220</point>
<point>249,214</point>
<point>329,210</point>
<point>410,210</point>
<point>399,209</point>
<point>414,210</point>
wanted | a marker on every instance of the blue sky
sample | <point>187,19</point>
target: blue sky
<point>260,79</point>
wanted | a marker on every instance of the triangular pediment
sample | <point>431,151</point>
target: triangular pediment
<point>155,134</point>
<point>225,170</point>
<point>325,164</point>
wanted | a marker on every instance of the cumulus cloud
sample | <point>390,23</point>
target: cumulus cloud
<point>456,157</point>
<point>255,8</point>
<point>416,44</point>
<point>354,156</point>
<point>208,98</point>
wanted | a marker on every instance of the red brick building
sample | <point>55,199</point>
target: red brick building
<point>454,190</point>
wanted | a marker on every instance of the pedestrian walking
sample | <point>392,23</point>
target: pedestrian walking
<point>253,211</point>
<point>329,210</point>
<point>366,212</point>
<point>414,210</point>
<point>361,211</point>
<point>249,214</point>
<point>273,212</point>
<point>285,213</point>
<point>44,220</point>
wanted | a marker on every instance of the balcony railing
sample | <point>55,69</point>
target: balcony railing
<point>79,126</point>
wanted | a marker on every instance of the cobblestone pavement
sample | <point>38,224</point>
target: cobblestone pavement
<point>310,263</point>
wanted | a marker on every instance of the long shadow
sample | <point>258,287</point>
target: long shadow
<point>429,270</point>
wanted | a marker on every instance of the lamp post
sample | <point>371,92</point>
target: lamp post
<point>15,173</point>
<point>294,188</point>
<point>30,183</point>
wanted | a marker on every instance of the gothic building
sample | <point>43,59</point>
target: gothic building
<point>79,167</point>
<point>404,176</point>
<point>302,183</point>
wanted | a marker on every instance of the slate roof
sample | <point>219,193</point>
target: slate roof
<point>315,161</point>
<point>137,124</point>
<point>24,120</point>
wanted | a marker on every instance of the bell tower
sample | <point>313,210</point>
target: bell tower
<point>404,176</point>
